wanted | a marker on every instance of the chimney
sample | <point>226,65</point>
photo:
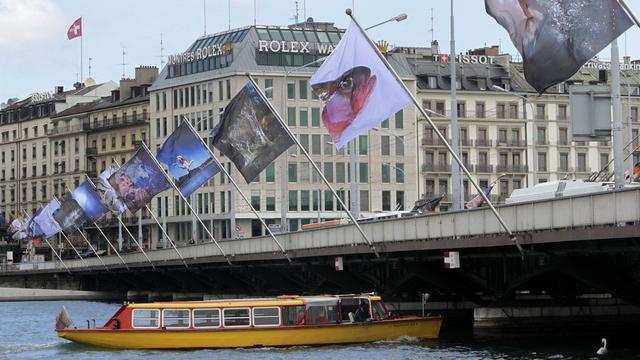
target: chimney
<point>146,74</point>
<point>125,88</point>
<point>59,89</point>
<point>115,95</point>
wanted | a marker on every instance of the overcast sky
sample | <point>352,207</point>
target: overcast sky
<point>35,54</point>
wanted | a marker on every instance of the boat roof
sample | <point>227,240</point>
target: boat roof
<point>283,300</point>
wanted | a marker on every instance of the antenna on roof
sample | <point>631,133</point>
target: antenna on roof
<point>254,12</point>
<point>304,9</point>
<point>90,66</point>
<point>204,5</point>
<point>229,8</point>
<point>431,29</point>
<point>161,52</point>
<point>123,63</point>
<point>297,16</point>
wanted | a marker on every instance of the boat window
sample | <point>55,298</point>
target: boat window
<point>379,312</point>
<point>206,318</point>
<point>175,318</point>
<point>237,317</point>
<point>146,318</point>
<point>293,315</point>
<point>322,314</point>
<point>266,316</point>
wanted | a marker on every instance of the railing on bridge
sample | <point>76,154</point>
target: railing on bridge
<point>587,211</point>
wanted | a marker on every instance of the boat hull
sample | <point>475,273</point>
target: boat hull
<point>422,328</point>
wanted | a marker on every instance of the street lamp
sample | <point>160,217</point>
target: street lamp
<point>397,18</point>
<point>404,177</point>
<point>534,132</point>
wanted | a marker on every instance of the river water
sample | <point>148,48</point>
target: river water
<point>27,332</point>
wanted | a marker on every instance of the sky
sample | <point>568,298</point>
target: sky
<point>36,56</point>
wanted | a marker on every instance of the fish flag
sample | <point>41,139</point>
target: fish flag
<point>70,215</point>
<point>357,89</point>
<point>557,37</point>
<point>187,159</point>
<point>478,200</point>
<point>107,194</point>
<point>45,220</point>
<point>75,30</point>
<point>89,200</point>
<point>139,180</point>
<point>249,133</point>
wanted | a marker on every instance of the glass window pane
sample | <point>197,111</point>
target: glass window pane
<point>334,37</point>
<point>236,317</point>
<point>287,35</point>
<point>206,318</point>
<point>299,35</point>
<point>311,36</point>
<point>323,36</point>
<point>275,34</point>
<point>175,318</point>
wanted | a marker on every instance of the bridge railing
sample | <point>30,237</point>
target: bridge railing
<point>608,208</point>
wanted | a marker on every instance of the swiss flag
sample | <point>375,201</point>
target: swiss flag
<point>75,29</point>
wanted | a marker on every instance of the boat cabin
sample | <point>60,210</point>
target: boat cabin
<point>282,311</point>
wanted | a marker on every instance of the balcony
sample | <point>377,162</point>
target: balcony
<point>512,168</point>
<point>434,141</point>
<point>64,130</point>
<point>92,173</point>
<point>517,142</point>
<point>466,142</point>
<point>484,142</point>
<point>484,168</point>
<point>115,123</point>
<point>444,168</point>
<point>92,151</point>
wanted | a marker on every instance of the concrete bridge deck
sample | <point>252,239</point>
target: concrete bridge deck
<point>599,216</point>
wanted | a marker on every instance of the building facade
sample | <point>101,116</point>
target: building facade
<point>198,87</point>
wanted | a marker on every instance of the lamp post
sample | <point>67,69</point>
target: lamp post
<point>534,132</point>
<point>456,178</point>
<point>404,177</point>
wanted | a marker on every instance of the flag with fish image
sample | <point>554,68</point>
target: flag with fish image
<point>187,159</point>
<point>249,133</point>
<point>138,180</point>
<point>89,200</point>
<point>45,221</point>
<point>357,89</point>
<point>557,37</point>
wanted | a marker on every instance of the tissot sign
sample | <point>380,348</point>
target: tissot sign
<point>200,53</point>
<point>302,47</point>
<point>466,59</point>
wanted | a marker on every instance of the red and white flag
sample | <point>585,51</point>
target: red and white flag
<point>75,29</point>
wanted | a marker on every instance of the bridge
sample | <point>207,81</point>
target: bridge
<point>576,249</point>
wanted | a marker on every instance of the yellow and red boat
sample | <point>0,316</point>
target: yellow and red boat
<point>280,321</point>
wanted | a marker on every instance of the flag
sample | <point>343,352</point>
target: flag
<point>557,37</point>
<point>70,215</point>
<point>107,194</point>
<point>45,220</point>
<point>75,30</point>
<point>18,228</point>
<point>33,228</point>
<point>430,204</point>
<point>636,172</point>
<point>249,133</point>
<point>89,200</point>
<point>357,89</point>
<point>478,200</point>
<point>139,180</point>
<point>187,159</point>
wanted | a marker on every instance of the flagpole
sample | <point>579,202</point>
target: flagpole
<point>284,252</point>
<point>136,241</point>
<point>144,145</point>
<point>51,247</point>
<point>87,240</point>
<point>630,12</point>
<point>111,245</point>
<point>156,219</point>
<point>81,65</point>
<point>324,179</point>
<point>438,133</point>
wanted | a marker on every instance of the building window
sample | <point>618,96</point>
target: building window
<point>291,90</point>
<point>564,162</point>
<point>304,117</point>
<point>400,173</point>
<point>480,112</point>
<point>271,201</point>
<point>562,112</point>
<point>540,112</point>
<point>293,200</point>
<point>582,162</point>
<point>270,173</point>
<point>268,88</point>
<point>542,161</point>
<point>384,145</point>
<point>293,172</point>
<point>363,144</point>
<point>500,111</point>
<point>304,200</point>
<point>255,200</point>
<point>386,200</point>
<point>563,136</point>
<point>541,136</point>
<point>303,89</point>
<point>386,173</point>
<point>462,110</point>
<point>363,173</point>
<point>291,116</point>
<point>399,119</point>
<point>315,117</point>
